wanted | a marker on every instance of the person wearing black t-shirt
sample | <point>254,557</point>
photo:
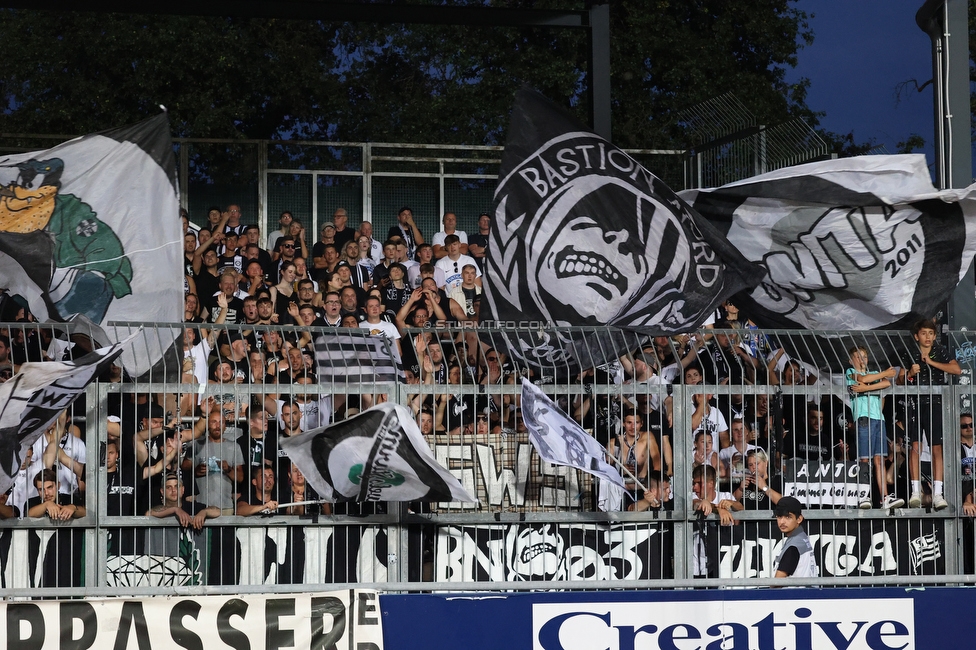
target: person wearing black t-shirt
<point>929,365</point>
<point>811,443</point>
<point>260,499</point>
<point>121,480</point>
<point>478,242</point>
<point>757,491</point>
<point>407,229</point>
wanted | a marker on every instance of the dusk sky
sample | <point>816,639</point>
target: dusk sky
<point>861,51</point>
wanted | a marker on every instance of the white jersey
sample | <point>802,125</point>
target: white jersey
<point>452,269</point>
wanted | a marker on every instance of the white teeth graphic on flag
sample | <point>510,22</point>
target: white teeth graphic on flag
<point>378,455</point>
<point>847,244</point>
<point>560,440</point>
<point>89,233</point>
<point>585,236</point>
<point>33,398</point>
<point>356,358</point>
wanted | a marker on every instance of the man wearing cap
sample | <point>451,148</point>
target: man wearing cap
<point>453,262</point>
<point>796,557</point>
<point>325,255</point>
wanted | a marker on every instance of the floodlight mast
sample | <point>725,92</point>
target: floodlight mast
<point>947,24</point>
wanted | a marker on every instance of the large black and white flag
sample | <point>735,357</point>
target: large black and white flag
<point>89,230</point>
<point>378,455</point>
<point>33,398</point>
<point>560,440</point>
<point>356,357</point>
<point>584,235</point>
<point>847,244</point>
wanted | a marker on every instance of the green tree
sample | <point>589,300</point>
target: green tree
<point>72,73</point>
<point>256,78</point>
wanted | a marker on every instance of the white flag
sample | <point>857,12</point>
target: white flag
<point>33,398</point>
<point>378,455</point>
<point>559,439</point>
<point>89,232</point>
<point>847,244</point>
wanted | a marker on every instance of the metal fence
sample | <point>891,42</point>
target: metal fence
<point>537,526</point>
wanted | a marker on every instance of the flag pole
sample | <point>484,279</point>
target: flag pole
<point>296,503</point>
<point>627,471</point>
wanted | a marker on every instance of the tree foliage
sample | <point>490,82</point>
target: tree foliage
<point>236,77</point>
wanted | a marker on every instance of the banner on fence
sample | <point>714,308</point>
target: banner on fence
<point>505,471</point>
<point>549,551</point>
<point>832,484</point>
<point>338,619</point>
<point>843,548</point>
<point>260,556</point>
<point>89,231</point>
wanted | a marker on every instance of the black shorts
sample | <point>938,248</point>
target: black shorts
<point>928,421</point>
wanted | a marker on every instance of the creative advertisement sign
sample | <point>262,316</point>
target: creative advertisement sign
<point>702,619</point>
<point>763,624</point>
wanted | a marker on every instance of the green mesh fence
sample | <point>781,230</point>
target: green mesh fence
<point>220,174</point>
<point>467,198</point>
<point>291,192</point>
<point>422,195</point>
<point>340,192</point>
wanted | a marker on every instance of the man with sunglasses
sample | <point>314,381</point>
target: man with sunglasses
<point>287,252</point>
<point>968,452</point>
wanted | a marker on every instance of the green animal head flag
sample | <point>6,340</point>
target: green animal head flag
<point>90,232</point>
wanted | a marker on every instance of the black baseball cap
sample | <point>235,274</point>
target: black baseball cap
<point>788,506</point>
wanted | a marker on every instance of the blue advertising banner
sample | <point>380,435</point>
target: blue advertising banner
<point>760,619</point>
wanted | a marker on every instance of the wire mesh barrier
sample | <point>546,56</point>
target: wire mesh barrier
<point>177,480</point>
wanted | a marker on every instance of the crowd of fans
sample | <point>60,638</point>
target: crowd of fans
<point>215,452</point>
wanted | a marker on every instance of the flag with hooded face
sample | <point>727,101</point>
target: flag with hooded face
<point>89,232</point>
<point>31,401</point>
<point>560,440</point>
<point>584,235</point>
<point>378,455</point>
<point>847,244</point>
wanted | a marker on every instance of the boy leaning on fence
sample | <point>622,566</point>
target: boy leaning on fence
<point>864,387</point>
<point>930,365</point>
